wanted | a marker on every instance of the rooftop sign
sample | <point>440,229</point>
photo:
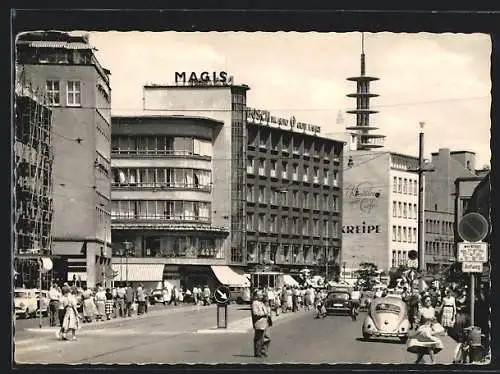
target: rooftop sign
<point>264,117</point>
<point>205,78</point>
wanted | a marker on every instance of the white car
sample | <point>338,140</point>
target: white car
<point>25,302</point>
<point>43,302</point>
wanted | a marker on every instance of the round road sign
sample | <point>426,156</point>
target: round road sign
<point>222,295</point>
<point>413,254</point>
<point>473,227</point>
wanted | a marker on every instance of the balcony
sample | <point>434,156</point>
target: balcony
<point>295,177</point>
<point>335,183</point>
<point>316,180</point>
<point>262,172</point>
<point>325,181</point>
<point>305,178</point>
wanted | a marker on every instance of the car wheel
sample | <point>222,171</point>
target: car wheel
<point>403,340</point>
<point>26,314</point>
<point>366,336</point>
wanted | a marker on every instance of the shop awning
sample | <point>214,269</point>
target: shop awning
<point>138,272</point>
<point>229,276</point>
<point>288,280</point>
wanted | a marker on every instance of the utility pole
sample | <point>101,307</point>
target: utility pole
<point>421,211</point>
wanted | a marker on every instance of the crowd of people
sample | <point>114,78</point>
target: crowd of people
<point>69,306</point>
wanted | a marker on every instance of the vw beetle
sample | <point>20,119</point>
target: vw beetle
<point>387,318</point>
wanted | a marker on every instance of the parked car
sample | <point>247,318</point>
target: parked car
<point>338,302</point>
<point>25,302</point>
<point>156,297</point>
<point>387,318</point>
<point>43,302</point>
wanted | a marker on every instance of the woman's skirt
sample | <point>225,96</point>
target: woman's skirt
<point>71,320</point>
<point>447,316</point>
<point>101,307</point>
<point>109,306</point>
<point>424,340</point>
<point>89,309</point>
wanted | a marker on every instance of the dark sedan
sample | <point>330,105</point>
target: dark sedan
<point>338,302</point>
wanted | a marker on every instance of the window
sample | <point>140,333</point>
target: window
<point>400,183</point>
<point>250,221</point>
<point>306,200</point>
<point>305,228</point>
<point>261,194</point>
<point>272,223</point>
<point>394,209</point>
<point>405,186</point>
<point>405,210</point>
<point>414,235</point>
<point>405,237</point>
<point>393,259</point>
<point>262,223</point>
<point>415,187</point>
<point>395,184</point>
<point>250,192</point>
<point>295,200</point>
<point>400,210</point>
<point>415,211</point>
<point>306,173</point>
<point>394,238</point>
<point>53,92</point>
<point>74,93</point>
<point>399,234</point>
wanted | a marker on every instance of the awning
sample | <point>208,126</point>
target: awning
<point>138,272</point>
<point>288,280</point>
<point>46,264</point>
<point>230,276</point>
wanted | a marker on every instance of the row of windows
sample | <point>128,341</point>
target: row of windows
<point>404,210</point>
<point>73,92</point>
<point>180,246</point>
<point>281,170</point>
<point>438,227</point>
<point>442,249</point>
<point>161,177</point>
<point>404,234</point>
<point>161,145</point>
<point>267,139</point>
<point>294,198</point>
<point>256,252</point>
<point>177,210</point>
<point>103,220</point>
<point>405,186</point>
<point>399,258</point>
<point>305,226</point>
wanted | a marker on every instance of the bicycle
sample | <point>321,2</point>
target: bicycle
<point>462,353</point>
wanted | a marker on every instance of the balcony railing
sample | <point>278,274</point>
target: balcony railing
<point>159,217</point>
<point>273,173</point>
<point>156,152</point>
<point>316,180</point>
<point>295,177</point>
<point>156,185</point>
<point>262,172</point>
<point>284,174</point>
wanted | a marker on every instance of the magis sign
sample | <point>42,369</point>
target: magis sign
<point>203,78</point>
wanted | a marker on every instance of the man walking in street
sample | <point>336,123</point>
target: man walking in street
<point>141,300</point>
<point>120,300</point>
<point>261,319</point>
<point>54,296</point>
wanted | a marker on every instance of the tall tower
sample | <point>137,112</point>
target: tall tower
<point>365,140</point>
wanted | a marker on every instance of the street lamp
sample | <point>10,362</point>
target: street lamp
<point>127,245</point>
<point>422,168</point>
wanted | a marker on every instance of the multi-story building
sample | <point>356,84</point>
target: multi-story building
<point>440,205</point>
<point>195,187</point>
<point>32,187</point>
<point>80,98</point>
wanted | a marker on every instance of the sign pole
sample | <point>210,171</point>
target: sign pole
<point>472,297</point>
<point>40,294</point>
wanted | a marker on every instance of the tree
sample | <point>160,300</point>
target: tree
<point>367,271</point>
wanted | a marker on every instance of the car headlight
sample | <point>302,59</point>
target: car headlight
<point>22,305</point>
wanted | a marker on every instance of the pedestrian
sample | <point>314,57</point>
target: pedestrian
<point>426,341</point>
<point>63,302</point>
<point>54,296</point>
<point>129,300</point>
<point>110,303</point>
<point>448,311</point>
<point>295,299</point>
<point>196,294</point>
<point>88,309</point>
<point>261,321</point>
<point>141,299</point>
<point>206,295</point>
<point>355,302</point>
<point>173,296</point>
<point>166,296</point>
<point>100,303</point>
<point>71,321</point>
<point>120,300</point>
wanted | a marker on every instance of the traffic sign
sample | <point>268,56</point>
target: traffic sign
<point>413,254</point>
<point>222,295</point>
<point>472,267</point>
<point>472,252</point>
<point>473,227</point>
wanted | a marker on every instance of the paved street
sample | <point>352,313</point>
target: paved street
<point>189,335</point>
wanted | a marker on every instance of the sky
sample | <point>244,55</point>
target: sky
<point>440,79</point>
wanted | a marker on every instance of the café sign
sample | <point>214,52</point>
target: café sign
<point>264,117</point>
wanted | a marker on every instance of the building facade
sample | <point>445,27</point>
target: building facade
<point>32,184</point>
<point>224,179</point>
<point>80,98</point>
<point>440,205</point>
<point>380,209</point>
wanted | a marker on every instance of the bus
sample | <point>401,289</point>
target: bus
<point>266,279</point>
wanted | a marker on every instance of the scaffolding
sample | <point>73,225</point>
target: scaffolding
<point>33,179</point>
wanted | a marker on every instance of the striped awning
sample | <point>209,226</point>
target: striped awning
<point>59,44</point>
<point>138,272</point>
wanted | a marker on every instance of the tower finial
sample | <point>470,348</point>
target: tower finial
<point>363,43</point>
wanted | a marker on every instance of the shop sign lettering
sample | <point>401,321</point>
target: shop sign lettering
<point>361,229</point>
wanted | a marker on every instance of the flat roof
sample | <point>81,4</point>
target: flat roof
<point>139,117</point>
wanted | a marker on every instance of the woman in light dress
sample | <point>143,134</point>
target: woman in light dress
<point>71,321</point>
<point>426,342</point>
<point>448,311</point>
<point>89,308</point>
<point>100,303</point>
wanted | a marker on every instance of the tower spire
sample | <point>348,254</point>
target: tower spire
<point>362,130</point>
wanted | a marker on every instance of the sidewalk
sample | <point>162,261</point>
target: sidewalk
<point>35,334</point>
